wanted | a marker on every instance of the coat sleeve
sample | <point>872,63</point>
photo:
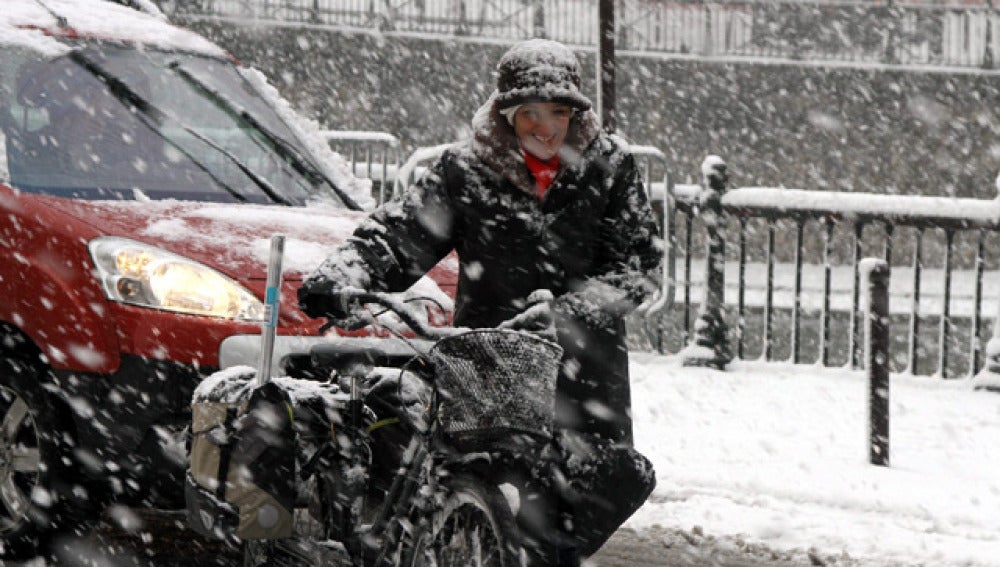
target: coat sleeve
<point>627,264</point>
<point>397,243</point>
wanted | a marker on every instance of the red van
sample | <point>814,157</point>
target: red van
<point>142,173</point>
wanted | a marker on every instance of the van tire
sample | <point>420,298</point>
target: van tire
<point>41,501</point>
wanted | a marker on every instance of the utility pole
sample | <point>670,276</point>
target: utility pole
<point>606,64</point>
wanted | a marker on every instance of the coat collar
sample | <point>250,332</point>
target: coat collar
<point>494,142</point>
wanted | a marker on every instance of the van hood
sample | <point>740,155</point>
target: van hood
<point>232,238</point>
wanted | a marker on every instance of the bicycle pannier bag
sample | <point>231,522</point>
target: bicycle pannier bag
<point>241,480</point>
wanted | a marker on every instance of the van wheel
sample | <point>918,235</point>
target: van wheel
<point>35,502</point>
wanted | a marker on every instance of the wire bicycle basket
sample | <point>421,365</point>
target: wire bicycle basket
<point>494,380</point>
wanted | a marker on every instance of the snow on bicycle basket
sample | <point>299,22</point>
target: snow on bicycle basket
<point>496,380</point>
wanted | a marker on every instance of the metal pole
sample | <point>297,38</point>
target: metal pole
<point>914,332</point>
<point>975,340</point>
<point>877,358</point>
<point>741,302</point>
<point>797,306</point>
<point>944,330</point>
<point>606,64</point>
<point>825,316</point>
<point>988,49</point>
<point>272,300</point>
<point>853,348</point>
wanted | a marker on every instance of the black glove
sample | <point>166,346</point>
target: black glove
<point>320,294</point>
<point>320,297</point>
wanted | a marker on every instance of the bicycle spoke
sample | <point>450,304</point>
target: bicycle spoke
<point>477,546</point>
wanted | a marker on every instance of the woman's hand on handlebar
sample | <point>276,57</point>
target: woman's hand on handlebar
<point>536,318</point>
<point>324,298</point>
<point>347,308</point>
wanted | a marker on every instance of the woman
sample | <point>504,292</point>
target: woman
<point>539,198</point>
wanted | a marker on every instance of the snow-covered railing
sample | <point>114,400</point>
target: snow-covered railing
<point>919,32</point>
<point>817,235</point>
<point>370,155</point>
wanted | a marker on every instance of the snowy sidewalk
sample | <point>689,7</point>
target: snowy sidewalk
<point>777,454</point>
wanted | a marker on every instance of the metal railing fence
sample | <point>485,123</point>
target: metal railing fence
<point>369,155</point>
<point>792,276</point>
<point>905,33</point>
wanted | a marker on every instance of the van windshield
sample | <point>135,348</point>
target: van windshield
<point>113,122</point>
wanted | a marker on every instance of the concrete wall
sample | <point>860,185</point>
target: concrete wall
<point>835,128</point>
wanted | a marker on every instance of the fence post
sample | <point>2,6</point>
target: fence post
<point>889,54</point>
<point>988,49</point>
<point>386,19</point>
<point>989,377</point>
<point>710,345</point>
<point>606,65</point>
<point>623,25</point>
<point>463,27</point>
<point>538,19</point>
<point>876,277</point>
<point>708,48</point>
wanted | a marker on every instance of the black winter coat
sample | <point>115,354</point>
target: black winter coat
<point>592,241</point>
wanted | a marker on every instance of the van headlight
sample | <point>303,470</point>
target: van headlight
<point>146,276</point>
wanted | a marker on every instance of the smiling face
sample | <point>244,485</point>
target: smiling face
<point>541,127</point>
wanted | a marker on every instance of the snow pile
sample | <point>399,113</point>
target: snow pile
<point>777,454</point>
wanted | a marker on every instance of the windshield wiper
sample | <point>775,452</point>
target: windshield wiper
<point>150,112</point>
<point>264,184</point>
<point>285,149</point>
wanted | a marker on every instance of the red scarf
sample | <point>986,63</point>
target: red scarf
<point>544,172</point>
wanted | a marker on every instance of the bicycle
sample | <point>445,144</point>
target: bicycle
<point>429,503</point>
<point>444,453</point>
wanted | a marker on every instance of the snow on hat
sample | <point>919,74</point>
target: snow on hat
<point>539,70</point>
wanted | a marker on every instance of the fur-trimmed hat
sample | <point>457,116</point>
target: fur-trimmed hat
<point>539,70</point>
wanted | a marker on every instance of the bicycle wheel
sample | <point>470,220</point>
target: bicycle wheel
<point>475,527</point>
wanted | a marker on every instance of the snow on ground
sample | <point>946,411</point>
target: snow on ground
<point>778,454</point>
